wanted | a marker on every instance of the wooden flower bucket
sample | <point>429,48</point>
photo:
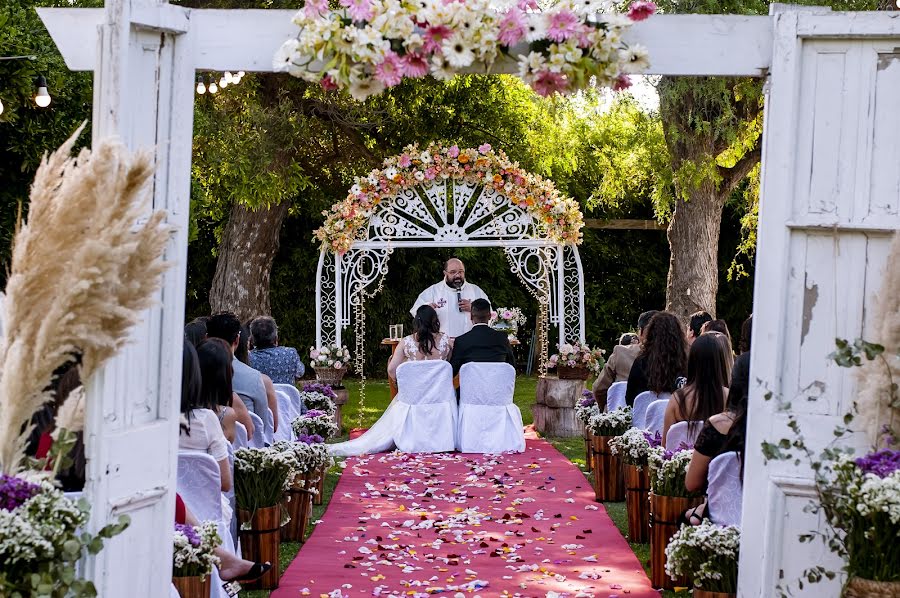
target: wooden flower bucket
<point>318,497</point>
<point>299,507</point>
<point>588,453</point>
<point>564,372</point>
<point>609,485</point>
<point>637,502</point>
<point>260,543</point>
<point>665,512</point>
<point>701,593</point>
<point>193,586</point>
<point>858,587</point>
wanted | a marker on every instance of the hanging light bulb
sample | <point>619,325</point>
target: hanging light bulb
<point>41,97</point>
<point>1,106</point>
<point>242,73</point>
<point>201,86</point>
<point>213,88</point>
<point>229,78</point>
<point>223,83</point>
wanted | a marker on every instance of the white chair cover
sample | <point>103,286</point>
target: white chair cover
<point>489,422</point>
<point>267,421</point>
<point>232,523</point>
<point>259,434</point>
<point>680,432</point>
<point>655,417</point>
<point>294,394</point>
<point>641,402</point>
<point>615,396</point>
<point>240,436</point>
<point>725,490</point>
<point>286,414</point>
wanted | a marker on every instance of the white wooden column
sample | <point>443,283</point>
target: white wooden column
<point>829,203</point>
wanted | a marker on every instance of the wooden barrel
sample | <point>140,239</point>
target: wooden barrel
<point>609,484</point>
<point>701,593</point>
<point>299,508</point>
<point>318,497</point>
<point>588,454</point>
<point>665,513</point>
<point>192,587</point>
<point>637,502</point>
<point>260,543</point>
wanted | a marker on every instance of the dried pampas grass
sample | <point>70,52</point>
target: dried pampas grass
<point>874,377</point>
<point>82,270</point>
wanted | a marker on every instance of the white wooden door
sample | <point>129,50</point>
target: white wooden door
<point>829,204</point>
<point>143,94</point>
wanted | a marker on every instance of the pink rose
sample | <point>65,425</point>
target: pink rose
<point>314,354</point>
<point>338,365</point>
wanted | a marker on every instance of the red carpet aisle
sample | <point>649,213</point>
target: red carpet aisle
<point>468,525</point>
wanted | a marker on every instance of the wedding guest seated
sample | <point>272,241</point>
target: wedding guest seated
<point>716,326</point>
<point>246,382</point>
<point>281,364</point>
<point>726,349</point>
<point>696,322</point>
<point>618,366</point>
<point>482,343</point>
<point>195,331</point>
<point>242,354</point>
<point>216,373</point>
<point>740,373</point>
<point>704,394</point>
<point>628,338</point>
<point>200,427</point>
<point>662,362</point>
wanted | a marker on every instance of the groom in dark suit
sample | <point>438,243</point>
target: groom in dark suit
<point>482,343</point>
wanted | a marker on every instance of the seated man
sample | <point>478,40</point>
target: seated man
<point>618,366</point>
<point>482,343</point>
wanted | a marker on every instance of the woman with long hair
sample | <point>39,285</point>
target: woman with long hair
<point>704,394</point>
<point>662,362</point>
<point>426,341</point>
<point>216,394</point>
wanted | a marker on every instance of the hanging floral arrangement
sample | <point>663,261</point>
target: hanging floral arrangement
<point>556,216</point>
<point>370,45</point>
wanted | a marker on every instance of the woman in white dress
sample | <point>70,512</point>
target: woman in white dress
<point>426,343</point>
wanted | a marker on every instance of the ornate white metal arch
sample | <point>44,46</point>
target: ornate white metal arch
<point>449,213</point>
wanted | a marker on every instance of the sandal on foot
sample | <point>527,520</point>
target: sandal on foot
<point>255,572</point>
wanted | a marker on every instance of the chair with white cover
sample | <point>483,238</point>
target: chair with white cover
<point>615,396</point>
<point>259,435</point>
<point>173,593</point>
<point>286,414</point>
<point>294,394</point>
<point>641,402</point>
<point>489,422</point>
<point>200,487</point>
<point>683,432</point>
<point>725,489</point>
<point>240,436</point>
<point>655,416</point>
<point>266,429</point>
<point>427,397</point>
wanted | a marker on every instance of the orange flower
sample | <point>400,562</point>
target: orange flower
<point>463,158</point>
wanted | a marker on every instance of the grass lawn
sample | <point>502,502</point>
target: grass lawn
<point>376,401</point>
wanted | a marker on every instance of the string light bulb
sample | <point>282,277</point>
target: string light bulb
<point>229,77</point>
<point>223,83</point>
<point>42,96</point>
<point>201,86</point>
<point>213,88</point>
<point>1,106</point>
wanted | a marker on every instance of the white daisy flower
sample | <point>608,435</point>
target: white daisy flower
<point>457,54</point>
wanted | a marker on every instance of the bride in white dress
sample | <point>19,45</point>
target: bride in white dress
<point>426,343</point>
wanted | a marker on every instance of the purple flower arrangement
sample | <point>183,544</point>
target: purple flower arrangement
<point>587,398</point>
<point>310,439</point>
<point>654,440</point>
<point>881,463</point>
<point>189,532</point>
<point>321,389</point>
<point>15,491</point>
<point>313,413</point>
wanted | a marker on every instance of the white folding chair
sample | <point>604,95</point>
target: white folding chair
<point>240,436</point>
<point>286,414</point>
<point>489,422</point>
<point>430,414</point>
<point>683,432</point>
<point>294,394</point>
<point>725,489</point>
<point>615,396</point>
<point>641,402</point>
<point>655,416</point>
<point>259,434</point>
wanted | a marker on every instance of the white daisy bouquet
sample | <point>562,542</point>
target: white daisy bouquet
<point>261,475</point>
<point>668,471</point>
<point>318,401</point>
<point>315,423</point>
<point>706,553</point>
<point>577,355</point>
<point>587,407</point>
<point>367,46</point>
<point>42,539</point>
<point>634,446</point>
<point>329,356</point>
<point>610,423</point>
<point>194,549</point>
<point>307,457</point>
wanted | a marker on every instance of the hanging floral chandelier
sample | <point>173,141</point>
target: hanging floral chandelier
<point>371,45</point>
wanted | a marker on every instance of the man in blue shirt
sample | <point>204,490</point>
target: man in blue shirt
<point>281,364</point>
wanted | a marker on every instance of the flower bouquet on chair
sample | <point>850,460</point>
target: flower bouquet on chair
<point>669,499</point>
<point>609,484</point>
<point>708,554</point>
<point>633,448</point>
<point>576,361</point>
<point>312,461</point>
<point>261,477</point>
<point>330,363</point>
<point>508,320</point>
<point>194,558</point>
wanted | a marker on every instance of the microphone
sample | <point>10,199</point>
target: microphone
<point>458,285</point>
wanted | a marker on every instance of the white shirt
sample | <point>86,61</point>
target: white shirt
<point>205,435</point>
<point>453,322</point>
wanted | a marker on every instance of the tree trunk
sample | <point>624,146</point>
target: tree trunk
<point>250,242</point>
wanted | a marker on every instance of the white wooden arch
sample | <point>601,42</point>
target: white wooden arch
<point>450,213</point>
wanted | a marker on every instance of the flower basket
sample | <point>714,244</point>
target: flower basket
<point>858,587</point>
<point>330,376</point>
<point>260,534</point>
<point>299,507</point>
<point>609,485</point>
<point>564,372</point>
<point>194,586</point>
<point>637,503</point>
<point>665,512</point>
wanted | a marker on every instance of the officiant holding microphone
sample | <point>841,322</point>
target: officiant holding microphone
<point>452,299</point>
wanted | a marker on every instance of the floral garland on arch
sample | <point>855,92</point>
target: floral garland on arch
<point>557,216</point>
<point>371,45</point>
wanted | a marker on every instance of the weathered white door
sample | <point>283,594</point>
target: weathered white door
<point>143,93</point>
<point>829,203</point>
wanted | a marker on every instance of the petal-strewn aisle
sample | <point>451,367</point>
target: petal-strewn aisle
<point>508,525</point>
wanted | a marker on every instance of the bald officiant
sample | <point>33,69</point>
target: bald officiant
<point>452,299</point>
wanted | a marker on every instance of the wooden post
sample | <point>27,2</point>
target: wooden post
<point>554,408</point>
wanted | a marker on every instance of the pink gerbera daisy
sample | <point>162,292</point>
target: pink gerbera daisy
<point>390,71</point>
<point>622,82</point>
<point>435,36</point>
<point>415,65</point>
<point>512,28</point>
<point>640,10</point>
<point>547,83</point>
<point>314,8</point>
<point>328,83</point>
<point>360,10</point>
<point>563,25</point>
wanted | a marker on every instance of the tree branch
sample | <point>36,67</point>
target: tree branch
<point>734,175</point>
